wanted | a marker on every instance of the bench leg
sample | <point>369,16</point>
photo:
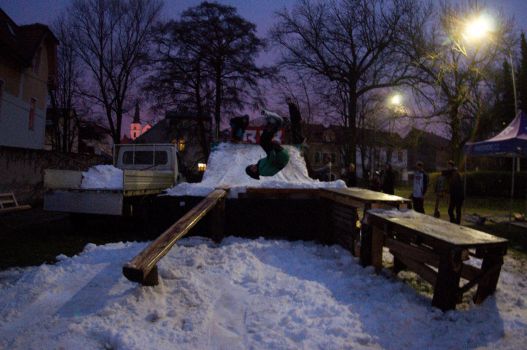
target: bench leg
<point>447,285</point>
<point>365,244</point>
<point>492,266</point>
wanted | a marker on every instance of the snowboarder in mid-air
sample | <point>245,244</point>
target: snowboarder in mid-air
<point>277,156</point>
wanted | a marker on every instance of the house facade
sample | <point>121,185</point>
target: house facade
<point>325,157</point>
<point>28,62</point>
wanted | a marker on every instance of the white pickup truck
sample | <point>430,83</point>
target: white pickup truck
<point>147,169</point>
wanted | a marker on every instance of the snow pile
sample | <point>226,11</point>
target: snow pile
<point>102,177</point>
<point>226,168</point>
<point>245,294</point>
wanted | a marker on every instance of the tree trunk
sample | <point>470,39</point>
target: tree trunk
<point>217,104</point>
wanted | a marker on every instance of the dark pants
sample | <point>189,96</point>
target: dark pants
<point>455,204</point>
<point>238,126</point>
<point>266,140</point>
<point>296,126</point>
<point>418,204</point>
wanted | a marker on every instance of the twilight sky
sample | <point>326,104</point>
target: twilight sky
<point>260,12</point>
<point>256,11</point>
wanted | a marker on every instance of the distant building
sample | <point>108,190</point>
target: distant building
<point>136,129</point>
<point>28,65</point>
<point>431,149</point>
<point>95,139</point>
<point>190,132</point>
<point>374,150</point>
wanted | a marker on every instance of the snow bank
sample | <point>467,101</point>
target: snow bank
<point>102,177</point>
<point>245,294</point>
<point>226,167</point>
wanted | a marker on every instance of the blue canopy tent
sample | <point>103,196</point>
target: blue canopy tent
<point>510,142</point>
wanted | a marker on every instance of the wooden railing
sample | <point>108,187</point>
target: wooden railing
<point>143,269</point>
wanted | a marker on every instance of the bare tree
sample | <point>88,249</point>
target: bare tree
<point>450,73</point>
<point>62,98</point>
<point>348,42</point>
<point>112,39</point>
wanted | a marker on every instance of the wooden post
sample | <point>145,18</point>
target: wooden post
<point>447,286</point>
<point>365,244</point>
<point>217,221</point>
<point>377,241</point>
<point>491,266</point>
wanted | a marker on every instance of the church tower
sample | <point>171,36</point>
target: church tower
<point>135,127</point>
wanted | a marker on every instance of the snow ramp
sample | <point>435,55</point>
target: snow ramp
<point>226,168</point>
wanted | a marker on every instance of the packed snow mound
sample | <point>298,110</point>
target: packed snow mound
<point>245,294</point>
<point>226,168</point>
<point>103,177</point>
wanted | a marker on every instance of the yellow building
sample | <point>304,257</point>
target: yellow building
<point>28,65</point>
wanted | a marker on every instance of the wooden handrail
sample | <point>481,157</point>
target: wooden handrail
<point>142,268</point>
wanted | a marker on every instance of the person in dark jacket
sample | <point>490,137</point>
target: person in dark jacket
<point>238,126</point>
<point>277,156</point>
<point>388,180</point>
<point>350,176</point>
<point>420,186</point>
<point>455,188</point>
<point>296,128</point>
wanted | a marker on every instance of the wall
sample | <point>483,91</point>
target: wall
<point>14,115</point>
<point>22,170</point>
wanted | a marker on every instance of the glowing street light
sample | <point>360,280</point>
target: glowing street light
<point>480,27</point>
<point>396,100</point>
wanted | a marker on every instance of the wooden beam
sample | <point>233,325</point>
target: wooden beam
<point>416,253</point>
<point>422,270</point>
<point>139,268</point>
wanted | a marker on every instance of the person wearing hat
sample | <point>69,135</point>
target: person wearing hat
<point>277,157</point>
<point>455,187</point>
<point>420,186</point>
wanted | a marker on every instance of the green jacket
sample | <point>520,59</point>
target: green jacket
<point>273,163</point>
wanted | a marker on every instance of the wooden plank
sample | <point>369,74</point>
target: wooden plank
<point>422,270</point>
<point>363,195</point>
<point>428,226</point>
<point>416,253</point>
<point>140,266</point>
<point>11,209</point>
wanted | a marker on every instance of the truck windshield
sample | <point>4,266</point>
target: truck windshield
<point>145,157</point>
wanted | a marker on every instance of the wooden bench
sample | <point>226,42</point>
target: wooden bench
<point>344,205</point>
<point>9,203</point>
<point>436,251</point>
<point>143,269</point>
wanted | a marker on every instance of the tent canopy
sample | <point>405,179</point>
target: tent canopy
<point>510,142</point>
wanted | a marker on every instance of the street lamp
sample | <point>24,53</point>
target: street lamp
<point>480,27</point>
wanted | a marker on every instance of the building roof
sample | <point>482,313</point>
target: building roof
<point>337,134</point>
<point>20,43</point>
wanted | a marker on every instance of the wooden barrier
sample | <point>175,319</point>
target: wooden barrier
<point>9,203</point>
<point>143,269</point>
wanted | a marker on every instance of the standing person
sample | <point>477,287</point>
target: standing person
<point>388,179</point>
<point>419,188</point>
<point>351,176</point>
<point>238,126</point>
<point>456,193</point>
<point>277,156</point>
<point>296,128</point>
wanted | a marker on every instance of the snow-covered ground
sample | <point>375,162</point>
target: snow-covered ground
<point>245,294</point>
<point>102,177</point>
<point>226,168</point>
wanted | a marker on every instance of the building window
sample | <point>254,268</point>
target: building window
<point>36,61</point>
<point>32,107</point>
